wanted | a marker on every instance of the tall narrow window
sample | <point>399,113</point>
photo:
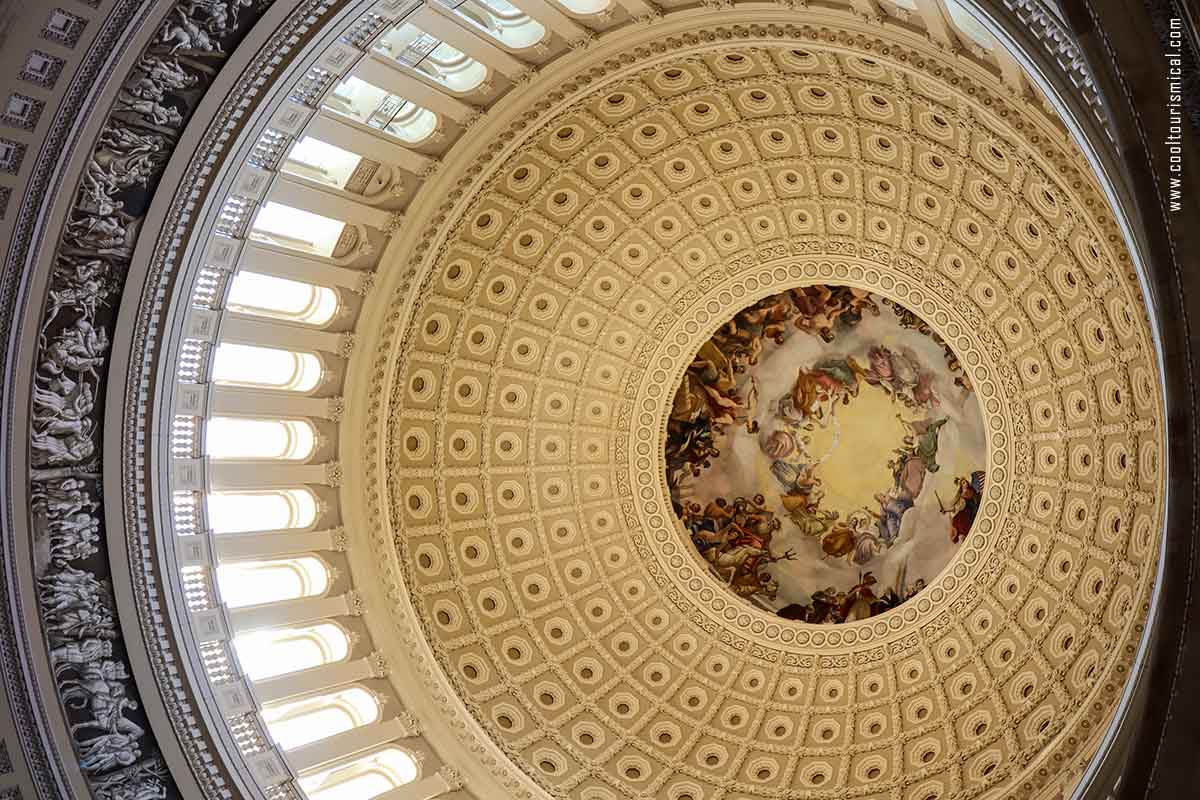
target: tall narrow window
<point>245,437</point>
<point>239,512</point>
<point>281,298</point>
<point>322,162</point>
<point>299,722</point>
<point>265,367</point>
<point>297,229</point>
<point>247,583</point>
<point>966,22</point>
<point>430,56</point>
<point>502,20</point>
<point>267,653</point>
<point>364,777</point>
<point>376,108</point>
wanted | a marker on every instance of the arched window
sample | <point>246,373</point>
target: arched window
<point>365,777</point>
<point>247,583</point>
<point>265,367</point>
<point>281,298</point>
<point>502,20</point>
<point>296,229</point>
<point>246,437</point>
<point>972,28</point>
<point>427,54</point>
<point>376,108</point>
<point>277,651</point>
<point>322,162</point>
<point>298,722</point>
<point>269,510</point>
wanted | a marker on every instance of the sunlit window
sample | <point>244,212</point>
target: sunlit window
<point>267,653</point>
<point>376,108</point>
<point>281,298</point>
<point>502,20</point>
<point>322,162</point>
<point>973,28</point>
<point>238,512</point>
<point>299,722</point>
<point>246,437</point>
<point>296,229</point>
<point>363,778</point>
<point>265,367</point>
<point>450,67</point>
<point>247,583</point>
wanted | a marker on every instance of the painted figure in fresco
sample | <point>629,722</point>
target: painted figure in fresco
<point>901,375</point>
<point>965,505</point>
<point>717,404</point>
<point>817,390</point>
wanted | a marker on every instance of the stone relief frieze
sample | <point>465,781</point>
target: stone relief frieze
<point>109,730</point>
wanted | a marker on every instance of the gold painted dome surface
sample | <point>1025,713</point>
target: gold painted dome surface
<point>810,445</point>
<point>527,374</point>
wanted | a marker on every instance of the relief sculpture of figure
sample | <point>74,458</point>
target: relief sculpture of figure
<point>144,780</point>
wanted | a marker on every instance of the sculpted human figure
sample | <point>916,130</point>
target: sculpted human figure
<point>74,655</point>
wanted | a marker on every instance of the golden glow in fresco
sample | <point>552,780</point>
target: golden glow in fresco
<point>825,454</point>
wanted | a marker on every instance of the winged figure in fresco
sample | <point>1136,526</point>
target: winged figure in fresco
<point>817,390</point>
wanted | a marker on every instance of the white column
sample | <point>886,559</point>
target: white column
<point>227,476</point>
<point>245,329</point>
<point>344,133</point>
<point>334,206</point>
<point>285,613</point>
<point>425,788</point>
<point>240,401</point>
<point>554,19</point>
<point>316,679</point>
<point>344,745</point>
<point>390,75</point>
<point>442,23</point>
<point>273,544</point>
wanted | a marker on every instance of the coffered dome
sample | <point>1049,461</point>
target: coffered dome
<point>584,399</point>
<point>525,375</point>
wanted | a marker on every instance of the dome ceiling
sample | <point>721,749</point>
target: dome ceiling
<point>532,401</point>
<point>558,298</point>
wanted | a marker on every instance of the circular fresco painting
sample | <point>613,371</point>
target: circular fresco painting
<point>826,454</point>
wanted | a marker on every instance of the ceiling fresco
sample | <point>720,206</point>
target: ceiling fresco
<point>825,453</point>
